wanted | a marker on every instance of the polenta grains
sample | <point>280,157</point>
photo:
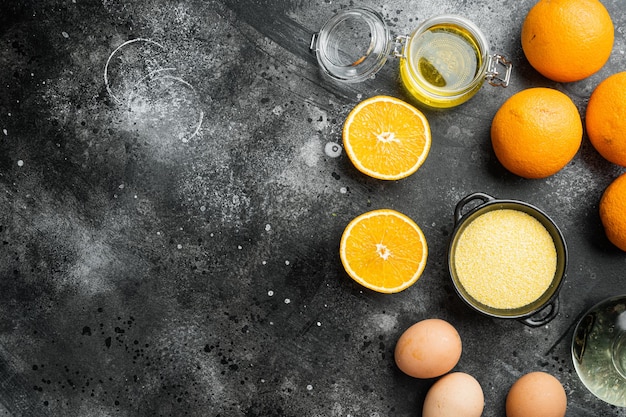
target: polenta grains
<point>505,259</point>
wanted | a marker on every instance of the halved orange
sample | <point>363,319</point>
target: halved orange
<point>383,250</point>
<point>386,138</point>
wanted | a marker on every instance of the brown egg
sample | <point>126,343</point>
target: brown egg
<point>454,395</point>
<point>536,394</point>
<point>428,349</point>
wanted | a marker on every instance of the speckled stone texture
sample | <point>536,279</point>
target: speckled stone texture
<point>169,234</point>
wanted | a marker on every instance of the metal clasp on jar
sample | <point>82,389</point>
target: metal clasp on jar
<point>399,43</point>
<point>493,77</point>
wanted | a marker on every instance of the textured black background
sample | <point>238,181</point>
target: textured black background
<point>148,271</point>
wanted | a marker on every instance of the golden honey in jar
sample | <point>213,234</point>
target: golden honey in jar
<point>443,63</point>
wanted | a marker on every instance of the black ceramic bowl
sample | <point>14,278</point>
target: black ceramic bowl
<point>543,309</point>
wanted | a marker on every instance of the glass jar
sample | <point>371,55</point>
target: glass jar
<point>443,63</point>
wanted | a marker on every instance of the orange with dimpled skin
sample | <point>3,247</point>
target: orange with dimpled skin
<point>567,40</point>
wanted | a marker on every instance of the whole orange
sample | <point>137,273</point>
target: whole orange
<point>605,118</point>
<point>613,212</point>
<point>567,40</point>
<point>536,132</point>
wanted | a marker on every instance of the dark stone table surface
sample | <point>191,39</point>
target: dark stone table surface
<point>170,222</point>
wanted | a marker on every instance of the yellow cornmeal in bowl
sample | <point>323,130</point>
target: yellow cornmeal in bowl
<point>505,259</point>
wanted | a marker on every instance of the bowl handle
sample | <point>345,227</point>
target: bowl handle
<point>541,317</point>
<point>458,210</point>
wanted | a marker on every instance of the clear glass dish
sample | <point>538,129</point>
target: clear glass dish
<point>599,350</point>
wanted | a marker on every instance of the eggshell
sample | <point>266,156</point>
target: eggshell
<point>428,349</point>
<point>537,394</point>
<point>455,395</point>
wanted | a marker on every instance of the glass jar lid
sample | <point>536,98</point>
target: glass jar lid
<point>353,45</point>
